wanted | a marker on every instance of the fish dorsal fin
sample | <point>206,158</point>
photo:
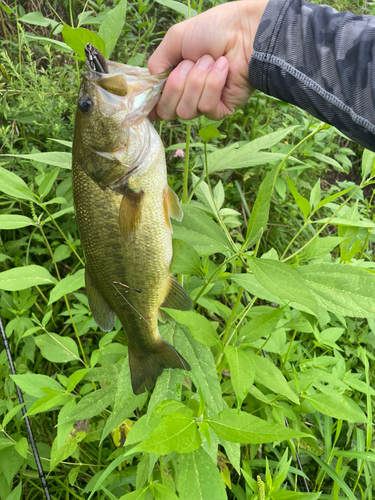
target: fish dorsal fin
<point>172,207</point>
<point>101,310</point>
<point>177,298</point>
<point>130,212</point>
<point>114,84</point>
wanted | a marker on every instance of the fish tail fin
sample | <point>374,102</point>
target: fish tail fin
<point>146,367</point>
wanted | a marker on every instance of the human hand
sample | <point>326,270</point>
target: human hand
<point>211,53</point>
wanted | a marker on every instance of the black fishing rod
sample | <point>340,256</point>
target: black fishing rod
<point>26,419</point>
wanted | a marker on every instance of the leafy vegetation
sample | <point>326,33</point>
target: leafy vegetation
<point>276,249</point>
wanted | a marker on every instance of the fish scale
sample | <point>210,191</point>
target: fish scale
<point>123,204</point>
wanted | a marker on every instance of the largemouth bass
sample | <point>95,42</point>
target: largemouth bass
<point>123,207</point>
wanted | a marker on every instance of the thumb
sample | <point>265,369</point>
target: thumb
<point>169,52</point>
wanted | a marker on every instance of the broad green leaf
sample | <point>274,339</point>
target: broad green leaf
<point>60,454</point>
<point>168,386</point>
<point>135,495</point>
<point>294,495</point>
<point>269,140</point>
<point>10,415</point>
<point>47,183</point>
<point>33,383</point>
<point>67,285</point>
<point>283,281</point>
<point>16,493</point>
<point>37,19</point>
<point>63,430</point>
<point>57,44</point>
<point>185,259</point>
<point>161,492</point>
<point>242,158</point>
<point>92,404</point>
<point>241,427</point>
<point>57,348</point>
<point>368,159</point>
<point>176,432</point>
<point>355,455</point>
<point>77,38</point>
<point>332,198</point>
<point>10,463</point>
<point>178,7</point>
<point>260,213</point>
<point>252,285</point>
<point>12,185</point>
<point>52,399</point>
<point>303,204</point>
<point>21,278</point>
<point>200,328</point>
<point>337,406</point>
<point>341,288</point>
<point>10,221</point>
<point>261,326</point>
<point>322,246</point>
<point>270,376</point>
<point>326,159</point>
<point>201,361</point>
<point>340,221</point>
<point>333,475</point>
<point>22,446</point>
<point>198,230</point>
<point>316,194</point>
<point>242,371</point>
<point>209,132</point>
<point>54,158</point>
<point>125,401</point>
<point>111,27</point>
<point>199,478</point>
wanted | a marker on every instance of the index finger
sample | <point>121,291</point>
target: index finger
<point>169,52</point>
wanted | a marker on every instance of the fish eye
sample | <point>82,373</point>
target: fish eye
<point>85,105</point>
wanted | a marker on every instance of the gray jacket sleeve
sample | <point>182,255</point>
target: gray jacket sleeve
<point>320,60</point>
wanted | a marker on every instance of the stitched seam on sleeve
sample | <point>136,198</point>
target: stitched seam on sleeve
<point>311,84</point>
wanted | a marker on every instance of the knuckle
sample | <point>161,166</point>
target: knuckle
<point>185,113</point>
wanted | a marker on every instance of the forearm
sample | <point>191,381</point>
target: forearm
<point>321,61</point>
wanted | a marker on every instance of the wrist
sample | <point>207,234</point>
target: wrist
<point>253,13</point>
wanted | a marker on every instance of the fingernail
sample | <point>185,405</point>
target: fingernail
<point>185,68</point>
<point>221,64</point>
<point>205,62</point>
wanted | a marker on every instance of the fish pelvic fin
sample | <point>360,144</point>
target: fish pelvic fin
<point>177,298</point>
<point>130,212</point>
<point>101,311</point>
<point>172,207</point>
<point>145,367</point>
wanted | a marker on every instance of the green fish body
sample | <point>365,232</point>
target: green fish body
<point>123,207</point>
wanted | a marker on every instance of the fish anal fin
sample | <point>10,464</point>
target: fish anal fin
<point>130,212</point>
<point>101,311</point>
<point>177,298</point>
<point>173,204</point>
<point>145,367</point>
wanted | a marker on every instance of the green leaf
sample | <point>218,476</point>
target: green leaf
<point>283,281</point>
<point>12,185</point>
<point>316,194</point>
<point>37,19</point>
<point>57,348</point>
<point>52,399</point>
<point>201,361</point>
<point>161,492</point>
<point>270,376</point>
<point>261,326</point>
<point>209,132</point>
<point>198,230</point>
<point>54,158</point>
<point>111,27</point>
<point>47,183</point>
<point>178,7</point>
<point>242,371</point>
<point>77,38</point>
<point>337,406</point>
<point>241,427</point>
<point>22,446</point>
<point>252,285</point>
<point>176,432</point>
<point>168,386</point>
<point>10,463</point>
<point>368,159</point>
<point>10,415</point>
<point>260,213</point>
<point>67,285</point>
<point>303,204</point>
<point>10,221</point>
<point>69,447</point>
<point>322,246</point>
<point>199,478</point>
<point>57,44</point>
<point>32,384</point>
<point>136,495</point>
<point>269,140</point>
<point>341,288</point>
<point>21,278</point>
<point>200,328</point>
<point>185,259</point>
<point>333,475</point>
<point>16,493</point>
<point>92,404</point>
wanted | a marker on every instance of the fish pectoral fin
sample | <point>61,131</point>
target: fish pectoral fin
<point>145,367</point>
<point>177,298</point>
<point>172,207</point>
<point>130,212</point>
<point>101,311</point>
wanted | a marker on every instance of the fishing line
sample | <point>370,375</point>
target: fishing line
<point>26,419</point>
<point>134,309</point>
